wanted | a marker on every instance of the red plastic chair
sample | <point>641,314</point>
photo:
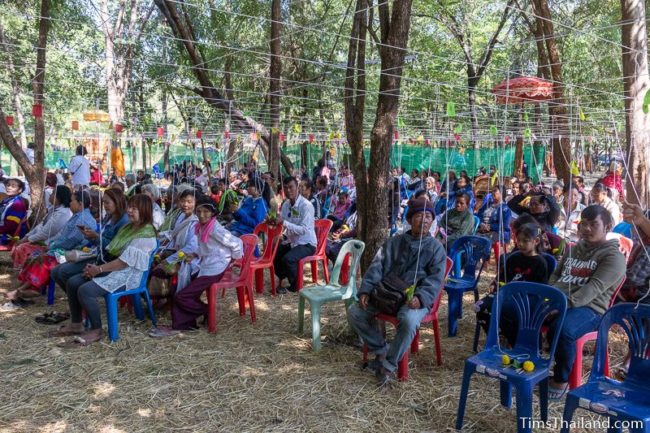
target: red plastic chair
<point>273,237</point>
<point>322,228</point>
<point>432,317</point>
<point>575,377</point>
<point>242,282</point>
<point>625,245</point>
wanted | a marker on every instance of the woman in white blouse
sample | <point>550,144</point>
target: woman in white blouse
<point>133,246</point>
<point>216,248</point>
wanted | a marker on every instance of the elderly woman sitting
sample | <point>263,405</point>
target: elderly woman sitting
<point>48,229</point>
<point>176,243</point>
<point>13,209</point>
<point>132,247</point>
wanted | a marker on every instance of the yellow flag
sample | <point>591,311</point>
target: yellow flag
<point>574,169</point>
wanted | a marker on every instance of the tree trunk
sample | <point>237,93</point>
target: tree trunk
<point>354,100</point>
<point>35,174</point>
<point>275,76</point>
<point>166,157</point>
<point>207,90</point>
<point>471,100</point>
<point>636,85</point>
<point>232,148</point>
<point>143,146</point>
<point>557,108</point>
<point>372,182</point>
<point>15,91</point>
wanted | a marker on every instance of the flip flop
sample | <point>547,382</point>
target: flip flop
<point>52,318</point>
<point>163,331</point>
<point>77,341</point>
<point>62,332</point>
<point>557,394</point>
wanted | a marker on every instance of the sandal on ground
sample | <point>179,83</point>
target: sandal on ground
<point>52,318</point>
<point>557,394</point>
<point>78,341</point>
<point>62,331</point>
<point>163,331</point>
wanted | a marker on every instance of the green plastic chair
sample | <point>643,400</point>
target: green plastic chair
<point>319,295</point>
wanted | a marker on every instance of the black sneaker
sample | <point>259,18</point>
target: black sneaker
<point>281,290</point>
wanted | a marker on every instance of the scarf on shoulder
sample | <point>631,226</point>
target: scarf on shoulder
<point>126,235</point>
<point>170,220</point>
<point>203,230</point>
<point>5,205</point>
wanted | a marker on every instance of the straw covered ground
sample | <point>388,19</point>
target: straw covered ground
<point>247,378</point>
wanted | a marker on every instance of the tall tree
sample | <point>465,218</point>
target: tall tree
<point>636,85</point>
<point>121,36</point>
<point>182,29</point>
<point>557,106</point>
<point>373,181</point>
<point>34,173</point>
<point>275,77</point>
<point>15,88</point>
<point>459,28</point>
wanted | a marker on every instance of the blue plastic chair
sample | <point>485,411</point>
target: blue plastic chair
<point>551,264</point>
<point>476,253</point>
<point>319,295</point>
<point>136,294</point>
<point>533,303</point>
<point>624,229</point>
<point>477,222</point>
<point>619,401</point>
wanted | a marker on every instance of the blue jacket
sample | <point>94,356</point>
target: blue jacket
<point>249,215</point>
<point>71,237</point>
<point>502,214</point>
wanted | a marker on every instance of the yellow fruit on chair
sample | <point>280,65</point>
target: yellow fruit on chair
<point>181,255</point>
<point>85,249</point>
<point>528,366</point>
<point>505,360</point>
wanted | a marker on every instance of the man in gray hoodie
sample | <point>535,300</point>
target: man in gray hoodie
<point>418,259</point>
<point>588,274</point>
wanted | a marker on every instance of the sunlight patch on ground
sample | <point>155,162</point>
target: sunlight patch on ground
<point>144,412</point>
<point>55,427</point>
<point>103,390</point>
<point>111,429</point>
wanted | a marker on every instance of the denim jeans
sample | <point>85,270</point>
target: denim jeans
<point>578,322</point>
<point>366,326</point>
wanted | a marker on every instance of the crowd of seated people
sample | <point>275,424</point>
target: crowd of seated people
<point>197,226</point>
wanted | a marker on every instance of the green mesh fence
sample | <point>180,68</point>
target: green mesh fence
<point>406,156</point>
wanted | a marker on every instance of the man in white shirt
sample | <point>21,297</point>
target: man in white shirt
<point>80,168</point>
<point>297,216</point>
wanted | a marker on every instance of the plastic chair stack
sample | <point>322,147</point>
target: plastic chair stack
<point>533,303</point>
<point>273,238</point>
<point>475,252</point>
<point>431,317</point>
<point>322,228</point>
<point>619,401</point>
<point>242,282</point>
<point>135,294</point>
<point>319,295</point>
